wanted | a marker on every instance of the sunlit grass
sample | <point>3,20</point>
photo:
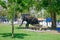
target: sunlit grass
<point>21,34</point>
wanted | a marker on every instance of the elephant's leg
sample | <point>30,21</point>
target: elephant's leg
<point>21,24</point>
<point>27,25</point>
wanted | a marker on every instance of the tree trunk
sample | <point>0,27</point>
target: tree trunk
<point>13,16</point>
<point>53,16</point>
<point>12,28</point>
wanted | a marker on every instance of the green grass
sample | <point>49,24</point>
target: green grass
<point>20,34</point>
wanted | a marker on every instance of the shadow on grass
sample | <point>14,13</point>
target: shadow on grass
<point>21,27</point>
<point>16,35</point>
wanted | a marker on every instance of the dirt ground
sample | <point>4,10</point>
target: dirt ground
<point>44,31</point>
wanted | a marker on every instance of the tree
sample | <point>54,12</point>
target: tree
<point>11,12</point>
<point>53,7</point>
<point>21,6</point>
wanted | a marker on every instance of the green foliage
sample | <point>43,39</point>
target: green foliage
<point>51,5</point>
<point>22,5</point>
<point>3,3</point>
<point>38,5</point>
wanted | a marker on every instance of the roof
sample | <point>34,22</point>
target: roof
<point>41,19</point>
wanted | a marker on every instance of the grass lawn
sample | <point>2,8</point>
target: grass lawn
<point>20,34</point>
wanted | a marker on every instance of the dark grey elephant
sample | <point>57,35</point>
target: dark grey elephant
<point>29,20</point>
